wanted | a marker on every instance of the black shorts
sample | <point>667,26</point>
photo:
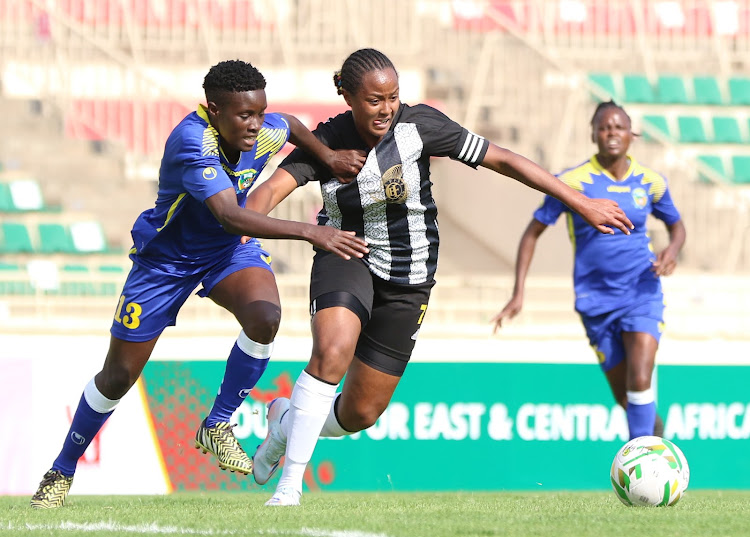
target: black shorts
<point>391,314</point>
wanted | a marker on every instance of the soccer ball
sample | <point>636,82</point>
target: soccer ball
<point>649,470</point>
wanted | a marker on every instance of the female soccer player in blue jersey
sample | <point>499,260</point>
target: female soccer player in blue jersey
<point>371,308</point>
<point>193,236</point>
<point>616,278</point>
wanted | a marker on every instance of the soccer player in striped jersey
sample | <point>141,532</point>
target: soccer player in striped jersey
<point>193,236</point>
<point>616,278</point>
<point>366,312</point>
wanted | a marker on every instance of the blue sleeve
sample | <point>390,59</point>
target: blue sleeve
<point>550,210</point>
<point>664,209</point>
<point>202,174</point>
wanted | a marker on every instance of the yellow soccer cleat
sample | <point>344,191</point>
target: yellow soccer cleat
<point>219,440</point>
<point>52,490</point>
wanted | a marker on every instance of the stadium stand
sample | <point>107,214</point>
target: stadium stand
<point>521,73</point>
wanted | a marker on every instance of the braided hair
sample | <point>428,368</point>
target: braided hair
<point>358,64</point>
<point>604,106</point>
<point>231,76</point>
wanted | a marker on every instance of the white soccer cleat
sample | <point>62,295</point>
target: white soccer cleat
<point>269,453</point>
<point>285,496</point>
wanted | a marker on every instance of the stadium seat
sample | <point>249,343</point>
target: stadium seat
<point>658,122</point>
<point>26,195</point>
<point>16,238</point>
<point>741,169</point>
<point>726,130</point>
<point>638,89</point>
<point>6,200</point>
<point>13,281</point>
<point>88,237</point>
<point>707,90</point>
<point>715,163</point>
<point>54,238</point>
<point>605,82</point>
<point>739,91</point>
<point>691,130</point>
<point>671,89</point>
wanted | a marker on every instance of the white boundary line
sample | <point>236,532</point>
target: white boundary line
<point>155,529</point>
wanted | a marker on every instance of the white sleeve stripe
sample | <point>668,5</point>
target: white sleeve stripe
<point>466,146</point>
<point>471,148</point>
<point>478,150</point>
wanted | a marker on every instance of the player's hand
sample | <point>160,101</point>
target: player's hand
<point>346,163</point>
<point>510,310</point>
<point>342,243</point>
<point>245,239</point>
<point>604,214</point>
<point>665,263</point>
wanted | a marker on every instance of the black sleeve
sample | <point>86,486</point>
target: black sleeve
<point>443,137</point>
<point>303,166</point>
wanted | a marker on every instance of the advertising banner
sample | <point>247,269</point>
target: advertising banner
<point>471,426</point>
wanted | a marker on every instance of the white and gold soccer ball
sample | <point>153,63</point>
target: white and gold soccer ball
<point>649,470</point>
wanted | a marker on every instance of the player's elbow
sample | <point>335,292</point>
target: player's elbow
<point>231,221</point>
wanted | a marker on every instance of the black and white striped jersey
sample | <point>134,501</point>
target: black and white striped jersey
<point>390,204</point>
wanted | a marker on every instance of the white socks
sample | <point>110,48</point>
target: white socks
<point>332,428</point>
<point>310,405</point>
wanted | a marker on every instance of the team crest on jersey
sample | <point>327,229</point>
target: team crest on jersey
<point>394,186</point>
<point>209,173</point>
<point>245,181</point>
<point>640,198</point>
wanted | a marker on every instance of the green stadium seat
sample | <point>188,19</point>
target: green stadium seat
<point>707,90</point>
<point>55,238</point>
<point>6,199</point>
<point>715,163</point>
<point>691,130</point>
<point>671,89</point>
<point>726,130</point>
<point>741,169</point>
<point>638,89</point>
<point>605,82</point>
<point>15,238</point>
<point>112,268</point>
<point>657,122</point>
<point>739,90</point>
<point>75,268</point>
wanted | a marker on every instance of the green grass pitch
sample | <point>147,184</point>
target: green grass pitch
<point>481,514</point>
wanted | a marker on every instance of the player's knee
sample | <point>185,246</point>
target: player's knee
<point>117,379</point>
<point>640,382</point>
<point>260,320</point>
<point>330,358</point>
<point>360,416</point>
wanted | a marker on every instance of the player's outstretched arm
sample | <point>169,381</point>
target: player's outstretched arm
<point>602,214</point>
<point>344,163</point>
<point>245,221</point>
<point>526,248</point>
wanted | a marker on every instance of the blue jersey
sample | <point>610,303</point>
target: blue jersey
<point>180,232</point>
<point>612,270</point>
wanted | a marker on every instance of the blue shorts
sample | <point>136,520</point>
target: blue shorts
<point>152,296</point>
<point>605,331</point>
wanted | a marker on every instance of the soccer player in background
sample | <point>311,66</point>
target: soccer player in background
<point>193,236</point>
<point>616,278</point>
<point>366,312</point>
